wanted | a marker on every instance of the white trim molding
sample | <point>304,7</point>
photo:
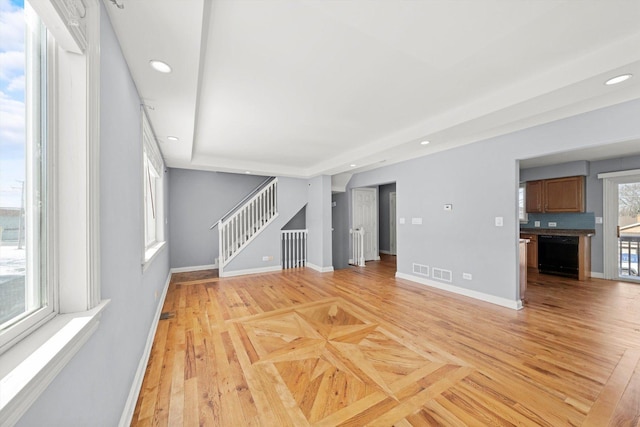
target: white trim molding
<point>320,269</point>
<point>618,174</point>
<point>28,368</point>
<point>504,302</point>
<point>132,399</point>
<point>195,268</point>
<point>596,275</point>
<point>270,269</point>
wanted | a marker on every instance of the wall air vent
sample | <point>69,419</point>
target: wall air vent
<point>440,274</point>
<point>422,270</point>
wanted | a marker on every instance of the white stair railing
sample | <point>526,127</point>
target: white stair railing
<point>294,248</point>
<point>236,231</point>
<point>357,247</point>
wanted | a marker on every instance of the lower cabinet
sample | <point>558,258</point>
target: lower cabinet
<point>532,251</point>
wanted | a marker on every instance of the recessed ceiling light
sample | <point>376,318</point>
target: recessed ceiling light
<point>247,171</point>
<point>163,67</point>
<point>173,138</point>
<point>618,79</point>
<point>353,165</point>
<point>424,142</point>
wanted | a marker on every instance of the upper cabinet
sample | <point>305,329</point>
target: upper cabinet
<point>556,195</point>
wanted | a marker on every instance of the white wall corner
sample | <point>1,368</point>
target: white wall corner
<point>504,302</point>
<point>328,269</point>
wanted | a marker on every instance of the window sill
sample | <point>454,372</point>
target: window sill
<point>151,253</point>
<point>30,366</point>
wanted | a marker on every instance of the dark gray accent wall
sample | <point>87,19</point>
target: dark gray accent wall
<point>299,220</point>
<point>93,387</point>
<point>198,200</point>
<point>481,181</point>
<point>340,225</point>
<point>384,215</point>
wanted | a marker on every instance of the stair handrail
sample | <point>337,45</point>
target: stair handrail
<point>241,202</point>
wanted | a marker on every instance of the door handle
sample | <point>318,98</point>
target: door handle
<point>618,231</point>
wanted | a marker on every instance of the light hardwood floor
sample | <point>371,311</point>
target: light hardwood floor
<point>359,347</point>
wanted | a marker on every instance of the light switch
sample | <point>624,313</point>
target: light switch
<point>598,220</point>
<point>448,207</point>
<point>401,220</point>
<point>416,221</point>
<point>499,221</point>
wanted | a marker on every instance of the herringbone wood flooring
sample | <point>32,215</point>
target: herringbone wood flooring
<point>358,347</point>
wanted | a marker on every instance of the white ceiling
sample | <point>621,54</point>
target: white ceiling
<point>308,87</point>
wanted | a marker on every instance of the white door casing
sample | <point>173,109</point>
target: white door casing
<point>392,223</point>
<point>365,215</point>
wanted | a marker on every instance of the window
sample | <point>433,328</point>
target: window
<point>49,109</point>
<point>153,168</point>
<point>26,291</point>
<point>522,202</point>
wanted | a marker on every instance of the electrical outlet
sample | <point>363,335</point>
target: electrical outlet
<point>267,258</point>
<point>598,220</point>
<point>499,221</point>
<point>536,223</point>
<point>448,207</point>
<point>553,224</point>
<point>416,221</point>
<point>467,276</point>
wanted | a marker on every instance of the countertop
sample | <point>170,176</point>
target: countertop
<point>557,232</point>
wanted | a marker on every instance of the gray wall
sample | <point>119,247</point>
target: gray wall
<point>197,200</point>
<point>384,216</point>
<point>340,225</point>
<point>92,389</point>
<point>481,181</point>
<point>319,221</point>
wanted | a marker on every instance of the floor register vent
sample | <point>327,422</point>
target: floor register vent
<point>440,274</point>
<point>422,270</point>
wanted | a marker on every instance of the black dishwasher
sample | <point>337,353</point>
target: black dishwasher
<point>558,255</point>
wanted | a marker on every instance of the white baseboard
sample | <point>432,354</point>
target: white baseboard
<point>195,268</point>
<point>597,275</point>
<point>132,399</point>
<point>251,271</point>
<point>516,305</point>
<point>320,269</point>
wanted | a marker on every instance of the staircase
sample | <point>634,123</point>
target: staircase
<point>243,223</point>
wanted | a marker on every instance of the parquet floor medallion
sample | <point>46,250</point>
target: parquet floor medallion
<point>331,363</point>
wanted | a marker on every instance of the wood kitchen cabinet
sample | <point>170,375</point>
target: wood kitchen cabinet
<point>556,195</point>
<point>534,194</point>
<point>532,251</point>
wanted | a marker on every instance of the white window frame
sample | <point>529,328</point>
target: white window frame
<point>152,180</point>
<point>30,362</point>
<point>522,191</point>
